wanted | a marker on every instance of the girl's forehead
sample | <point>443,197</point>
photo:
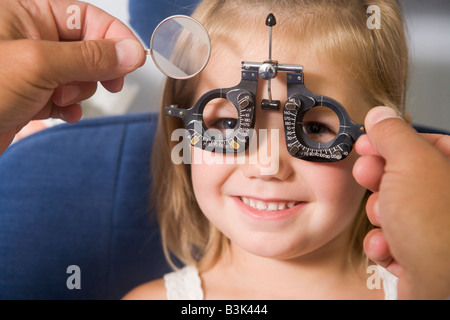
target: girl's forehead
<point>252,45</point>
<point>228,52</point>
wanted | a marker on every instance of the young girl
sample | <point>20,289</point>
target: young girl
<point>295,233</point>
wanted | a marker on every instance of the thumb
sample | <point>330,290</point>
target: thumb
<point>392,137</point>
<point>93,60</point>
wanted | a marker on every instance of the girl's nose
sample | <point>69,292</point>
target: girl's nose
<point>267,157</point>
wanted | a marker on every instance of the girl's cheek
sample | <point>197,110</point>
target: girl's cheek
<point>332,181</point>
<point>210,170</point>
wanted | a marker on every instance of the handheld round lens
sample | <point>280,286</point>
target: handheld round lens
<point>180,47</point>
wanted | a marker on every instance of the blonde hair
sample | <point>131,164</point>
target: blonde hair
<point>378,58</point>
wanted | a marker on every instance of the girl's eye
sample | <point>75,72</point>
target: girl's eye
<point>320,124</point>
<point>224,124</point>
<point>318,132</point>
<point>220,115</point>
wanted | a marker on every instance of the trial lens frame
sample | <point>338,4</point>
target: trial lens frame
<point>300,101</point>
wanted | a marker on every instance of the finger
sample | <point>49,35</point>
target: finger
<point>377,250</point>
<point>393,137</point>
<point>376,247</point>
<point>113,85</point>
<point>74,92</point>
<point>71,113</point>
<point>368,171</point>
<point>98,60</point>
<point>364,147</point>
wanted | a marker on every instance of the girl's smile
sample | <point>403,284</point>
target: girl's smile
<point>268,209</point>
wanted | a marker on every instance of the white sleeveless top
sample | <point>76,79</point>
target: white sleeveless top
<point>185,284</point>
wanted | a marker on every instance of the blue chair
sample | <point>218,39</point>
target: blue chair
<point>79,195</point>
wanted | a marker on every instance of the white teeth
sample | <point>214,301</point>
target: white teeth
<point>267,206</point>
<point>260,205</point>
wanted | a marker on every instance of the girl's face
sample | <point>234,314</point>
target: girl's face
<point>302,207</point>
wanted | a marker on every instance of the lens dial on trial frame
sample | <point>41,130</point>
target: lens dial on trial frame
<point>180,47</point>
<point>317,128</point>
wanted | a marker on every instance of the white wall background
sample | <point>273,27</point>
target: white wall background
<point>142,88</point>
<point>428,96</point>
<point>429,91</point>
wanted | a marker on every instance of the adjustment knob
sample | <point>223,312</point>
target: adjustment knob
<point>267,71</point>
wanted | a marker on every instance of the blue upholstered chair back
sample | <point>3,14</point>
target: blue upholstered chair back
<point>79,195</point>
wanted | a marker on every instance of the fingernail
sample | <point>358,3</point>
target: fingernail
<point>378,114</point>
<point>128,52</point>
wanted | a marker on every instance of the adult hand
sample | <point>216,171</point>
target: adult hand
<point>45,68</point>
<point>410,177</point>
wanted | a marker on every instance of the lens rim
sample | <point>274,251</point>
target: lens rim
<point>155,61</point>
<point>300,145</point>
<point>300,128</point>
<point>303,137</point>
